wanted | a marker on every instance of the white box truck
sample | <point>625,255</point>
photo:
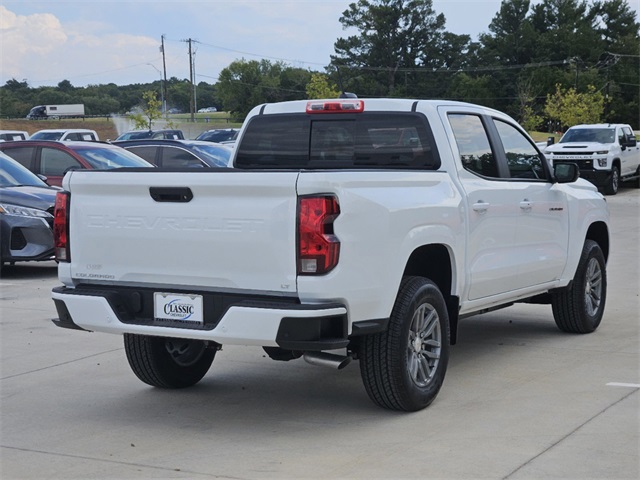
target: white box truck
<point>56,111</point>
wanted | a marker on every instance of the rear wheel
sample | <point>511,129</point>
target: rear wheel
<point>578,308</point>
<point>403,368</point>
<point>168,362</point>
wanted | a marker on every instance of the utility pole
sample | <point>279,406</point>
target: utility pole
<point>195,83</point>
<point>164,85</point>
<point>192,102</point>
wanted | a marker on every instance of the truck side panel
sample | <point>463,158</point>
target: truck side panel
<point>384,217</point>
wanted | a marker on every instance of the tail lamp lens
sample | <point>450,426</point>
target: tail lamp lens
<point>318,247</point>
<point>61,227</point>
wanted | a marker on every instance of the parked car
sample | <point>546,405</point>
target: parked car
<point>66,134</point>
<point>179,153</point>
<point>26,214</point>
<point>219,135</point>
<point>140,134</point>
<point>53,159</point>
<point>10,135</point>
<point>208,110</point>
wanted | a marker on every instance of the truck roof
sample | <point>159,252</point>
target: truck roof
<point>371,104</point>
<point>600,125</point>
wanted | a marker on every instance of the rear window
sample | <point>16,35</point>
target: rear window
<point>364,140</point>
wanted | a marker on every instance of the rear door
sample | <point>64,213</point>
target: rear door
<point>54,163</point>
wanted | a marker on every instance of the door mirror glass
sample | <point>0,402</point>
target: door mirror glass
<point>566,172</point>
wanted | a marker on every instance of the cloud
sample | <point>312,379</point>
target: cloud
<point>36,34</point>
<point>41,49</point>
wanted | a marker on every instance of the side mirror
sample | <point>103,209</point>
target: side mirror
<point>551,140</point>
<point>566,172</point>
<point>630,142</point>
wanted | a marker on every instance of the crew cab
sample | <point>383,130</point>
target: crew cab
<point>347,229</point>
<point>607,154</point>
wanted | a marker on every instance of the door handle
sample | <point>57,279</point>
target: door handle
<point>480,206</point>
<point>526,205</point>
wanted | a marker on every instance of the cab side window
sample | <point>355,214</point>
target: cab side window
<point>56,162</point>
<point>523,160</point>
<point>23,155</point>
<point>148,153</point>
<point>178,158</point>
<point>473,144</point>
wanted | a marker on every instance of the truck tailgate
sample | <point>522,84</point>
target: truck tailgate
<point>236,230</point>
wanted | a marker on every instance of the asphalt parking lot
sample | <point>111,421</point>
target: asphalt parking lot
<point>521,400</point>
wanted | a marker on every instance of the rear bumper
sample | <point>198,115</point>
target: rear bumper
<point>229,319</point>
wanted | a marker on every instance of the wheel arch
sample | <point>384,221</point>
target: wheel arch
<point>616,163</point>
<point>436,262</point>
<point>599,233</point>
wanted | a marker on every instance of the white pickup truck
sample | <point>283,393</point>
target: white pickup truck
<point>347,229</point>
<point>606,154</point>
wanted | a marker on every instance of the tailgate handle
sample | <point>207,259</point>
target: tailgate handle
<point>171,194</point>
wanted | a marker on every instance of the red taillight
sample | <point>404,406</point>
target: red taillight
<point>335,106</point>
<point>318,247</point>
<point>61,227</point>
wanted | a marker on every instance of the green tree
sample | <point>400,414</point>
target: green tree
<point>512,40</point>
<point>398,42</point>
<point>245,84</point>
<point>319,87</point>
<point>151,111</point>
<point>572,108</point>
<point>472,89</point>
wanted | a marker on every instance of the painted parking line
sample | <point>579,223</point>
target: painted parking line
<point>628,385</point>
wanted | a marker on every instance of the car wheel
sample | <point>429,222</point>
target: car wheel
<point>612,187</point>
<point>403,368</point>
<point>579,307</point>
<point>168,362</point>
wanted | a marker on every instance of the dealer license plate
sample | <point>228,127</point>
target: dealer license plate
<point>175,309</point>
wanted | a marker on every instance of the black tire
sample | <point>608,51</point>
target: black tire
<point>611,188</point>
<point>579,307</point>
<point>403,368</point>
<point>168,362</point>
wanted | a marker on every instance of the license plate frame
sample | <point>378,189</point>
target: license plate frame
<point>178,309</point>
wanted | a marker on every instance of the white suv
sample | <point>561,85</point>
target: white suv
<point>65,134</point>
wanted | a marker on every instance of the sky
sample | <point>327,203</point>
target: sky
<point>93,42</point>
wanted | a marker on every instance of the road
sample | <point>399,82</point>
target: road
<point>521,400</point>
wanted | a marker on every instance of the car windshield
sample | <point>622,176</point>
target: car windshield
<point>594,135</point>
<point>134,135</point>
<point>218,135</point>
<point>214,155</point>
<point>12,174</point>
<point>47,136</point>
<point>105,158</point>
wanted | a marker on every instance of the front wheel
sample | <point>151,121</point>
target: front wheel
<point>579,307</point>
<point>614,181</point>
<point>403,368</point>
<point>168,362</point>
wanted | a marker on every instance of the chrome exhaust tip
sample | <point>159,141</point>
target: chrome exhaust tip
<point>325,359</point>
